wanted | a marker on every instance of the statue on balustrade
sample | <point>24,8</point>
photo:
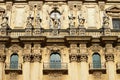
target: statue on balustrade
<point>71,20</point>
<point>29,21</point>
<point>38,21</point>
<point>4,23</point>
<point>81,20</point>
<point>106,21</point>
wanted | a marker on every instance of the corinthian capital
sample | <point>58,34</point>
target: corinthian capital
<point>26,58</point>
<point>83,58</point>
<point>36,57</point>
<point>109,57</point>
<point>73,58</point>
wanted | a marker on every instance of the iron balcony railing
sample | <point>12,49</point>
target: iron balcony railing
<point>54,65</point>
<point>13,68</point>
<point>9,66</point>
<point>97,66</point>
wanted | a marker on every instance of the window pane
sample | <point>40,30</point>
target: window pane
<point>96,61</point>
<point>14,61</point>
<point>116,23</point>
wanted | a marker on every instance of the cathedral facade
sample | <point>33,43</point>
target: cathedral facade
<point>59,39</point>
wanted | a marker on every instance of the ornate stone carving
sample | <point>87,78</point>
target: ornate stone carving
<point>2,58</point>
<point>8,6</point>
<point>73,57</point>
<point>15,48</point>
<point>13,76</point>
<point>95,48</point>
<point>73,31</point>
<point>36,57</point>
<point>106,21</point>
<point>81,20</point>
<point>109,49</point>
<point>26,58</point>
<point>97,75</point>
<point>55,32</point>
<point>71,20</point>
<point>83,58</point>
<point>39,6</point>
<point>55,76</point>
<point>101,5</point>
<point>109,57</point>
<point>27,49</point>
<point>31,7</point>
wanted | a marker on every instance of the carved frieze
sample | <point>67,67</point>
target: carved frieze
<point>109,57</point>
<point>15,48</point>
<point>101,5</point>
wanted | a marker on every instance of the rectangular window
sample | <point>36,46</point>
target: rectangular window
<point>116,23</point>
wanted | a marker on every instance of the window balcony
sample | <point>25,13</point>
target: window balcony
<point>13,68</point>
<point>55,67</point>
<point>97,68</point>
<point>118,67</point>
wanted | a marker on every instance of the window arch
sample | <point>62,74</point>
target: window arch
<point>55,60</point>
<point>96,60</point>
<point>14,61</point>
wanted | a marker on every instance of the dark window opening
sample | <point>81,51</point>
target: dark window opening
<point>116,23</point>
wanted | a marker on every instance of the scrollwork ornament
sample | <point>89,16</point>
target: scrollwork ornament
<point>2,58</point>
<point>36,58</point>
<point>73,57</point>
<point>26,58</point>
<point>109,57</point>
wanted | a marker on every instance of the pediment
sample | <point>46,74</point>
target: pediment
<point>113,9</point>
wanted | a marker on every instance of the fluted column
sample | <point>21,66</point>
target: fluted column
<point>109,56</point>
<point>2,59</point>
<point>26,60</point>
<point>36,66</point>
<point>73,62</point>
<point>83,62</point>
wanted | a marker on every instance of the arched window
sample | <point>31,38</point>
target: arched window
<point>55,60</point>
<point>14,61</point>
<point>96,60</point>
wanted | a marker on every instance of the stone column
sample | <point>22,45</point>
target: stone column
<point>73,62</point>
<point>109,56</point>
<point>26,62</point>
<point>36,66</point>
<point>2,59</point>
<point>83,62</point>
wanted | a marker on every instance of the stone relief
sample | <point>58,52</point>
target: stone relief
<point>8,6</point>
<point>81,20</point>
<point>13,76</point>
<point>71,20</point>
<point>15,48</point>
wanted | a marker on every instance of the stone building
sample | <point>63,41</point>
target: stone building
<point>60,40</point>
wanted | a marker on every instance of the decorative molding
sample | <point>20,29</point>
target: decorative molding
<point>9,6</point>
<point>26,58</point>
<point>109,57</point>
<point>97,75</point>
<point>101,5</point>
<point>15,48</point>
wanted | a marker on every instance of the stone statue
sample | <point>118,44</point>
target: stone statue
<point>81,20</point>
<point>56,22</point>
<point>38,21</point>
<point>71,20</point>
<point>4,20</point>
<point>29,21</point>
<point>106,20</point>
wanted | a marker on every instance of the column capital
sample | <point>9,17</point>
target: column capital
<point>83,58</point>
<point>109,57</point>
<point>73,57</point>
<point>36,57</point>
<point>26,58</point>
<point>2,58</point>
